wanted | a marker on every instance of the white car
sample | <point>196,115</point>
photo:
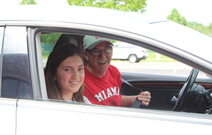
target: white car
<point>179,105</point>
<point>126,51</point>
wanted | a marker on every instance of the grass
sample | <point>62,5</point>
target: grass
<point>155,57</point>
<point>45,56</point>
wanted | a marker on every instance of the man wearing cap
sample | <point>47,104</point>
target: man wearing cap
<point>102,80</point>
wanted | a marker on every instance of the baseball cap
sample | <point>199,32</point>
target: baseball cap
<point>89,42</point>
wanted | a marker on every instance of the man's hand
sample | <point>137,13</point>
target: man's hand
<point>127,101</point>
<point>145,97</point>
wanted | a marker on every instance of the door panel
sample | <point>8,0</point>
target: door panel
<point>164,89</point>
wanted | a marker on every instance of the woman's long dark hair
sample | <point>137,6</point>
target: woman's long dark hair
<point>58,55</point>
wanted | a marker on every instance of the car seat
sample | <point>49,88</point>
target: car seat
<point>66,38</point>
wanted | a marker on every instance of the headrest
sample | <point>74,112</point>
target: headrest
<point>65,38</point>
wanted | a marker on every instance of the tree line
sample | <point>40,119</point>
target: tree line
<point>132,6</point>
<point>176,17</point>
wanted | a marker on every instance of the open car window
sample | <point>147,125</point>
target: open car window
<point>148,70</point>
<point>149,62</point>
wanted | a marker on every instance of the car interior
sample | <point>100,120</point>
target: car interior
<point>168,92</point>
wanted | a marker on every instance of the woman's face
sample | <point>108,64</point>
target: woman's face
<point>70,75</point>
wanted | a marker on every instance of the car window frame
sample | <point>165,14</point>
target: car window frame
<point>1,46</point>
<point>86,31</point>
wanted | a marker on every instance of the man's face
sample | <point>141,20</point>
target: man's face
<point>99,57</point>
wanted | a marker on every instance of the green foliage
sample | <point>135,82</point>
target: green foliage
<point>208,30</point>
<point>28,2</point>
<point>50,38</point>
<point>123,5</point>
<point>176,17</point>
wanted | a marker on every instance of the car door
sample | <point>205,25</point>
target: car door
<point>8,116</point>
<point>24,97</point>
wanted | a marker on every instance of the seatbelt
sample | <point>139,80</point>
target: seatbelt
<point>136,103</point>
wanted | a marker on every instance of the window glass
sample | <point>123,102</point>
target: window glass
<point>16,80</point>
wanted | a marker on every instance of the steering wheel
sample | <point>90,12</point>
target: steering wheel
<point>184,92</point>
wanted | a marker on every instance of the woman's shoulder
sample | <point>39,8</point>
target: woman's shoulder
<point>86,100</point>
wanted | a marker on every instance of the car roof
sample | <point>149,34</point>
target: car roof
<point>36,12</point>
<point>162,30</point>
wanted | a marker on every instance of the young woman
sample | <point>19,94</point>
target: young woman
<point>64,74</point>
